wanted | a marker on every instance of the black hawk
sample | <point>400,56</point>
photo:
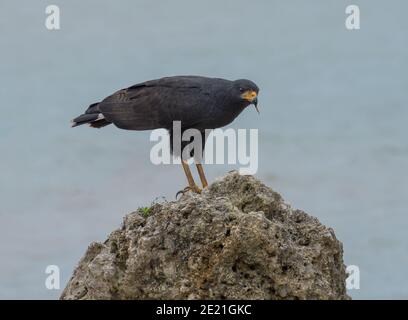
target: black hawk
<point>197,102</point>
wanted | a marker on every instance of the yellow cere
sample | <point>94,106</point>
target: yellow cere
<point>249,95</point>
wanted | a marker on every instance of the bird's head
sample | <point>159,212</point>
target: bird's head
<point>247,91</point>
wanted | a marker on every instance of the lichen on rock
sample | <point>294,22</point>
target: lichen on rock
<point>238,239</point>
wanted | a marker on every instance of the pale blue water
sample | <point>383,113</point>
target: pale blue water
<point>333,123</point>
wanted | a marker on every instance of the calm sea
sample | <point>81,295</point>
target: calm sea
<point>332,128</point>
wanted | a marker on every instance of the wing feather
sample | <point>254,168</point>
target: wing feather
<point>155,104</point>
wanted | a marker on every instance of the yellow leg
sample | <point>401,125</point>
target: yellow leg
<point>191,184</point>
<point>202,175</point>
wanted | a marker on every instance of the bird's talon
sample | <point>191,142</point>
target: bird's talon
<point>186,189</point>
<point>182,192</point>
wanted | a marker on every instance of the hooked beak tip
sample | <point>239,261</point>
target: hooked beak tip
<point>255,103</point>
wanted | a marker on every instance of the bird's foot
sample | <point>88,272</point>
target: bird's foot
<point>194,189</point>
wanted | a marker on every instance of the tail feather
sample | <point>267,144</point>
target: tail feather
<point>99,123</point>
<point>93,108</point>
<point>84,118</point>
<point>92,116</point>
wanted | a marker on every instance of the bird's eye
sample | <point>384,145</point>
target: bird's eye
<point>241,89</point>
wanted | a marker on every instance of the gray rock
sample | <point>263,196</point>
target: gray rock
<point>236,240</point>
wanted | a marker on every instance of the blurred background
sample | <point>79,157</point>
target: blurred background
<point>332,128</point>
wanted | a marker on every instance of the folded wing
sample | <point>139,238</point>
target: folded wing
<point>156,104</point>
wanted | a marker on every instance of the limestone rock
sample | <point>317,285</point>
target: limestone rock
<point>236,240</point>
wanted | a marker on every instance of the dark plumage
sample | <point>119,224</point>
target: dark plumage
<point>198,102</point>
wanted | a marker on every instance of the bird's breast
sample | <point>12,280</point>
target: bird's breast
<point>221,117</point>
